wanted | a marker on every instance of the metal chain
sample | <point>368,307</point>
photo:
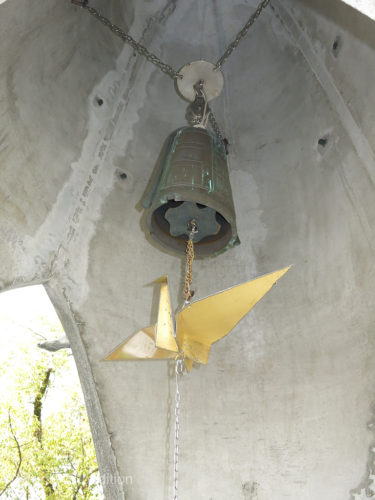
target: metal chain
<point>179,362</point>
<point>254,16</point>
<point>214,124</point>
<point>178,373</point>
<point>166,68</point>
<point>188,293</point>
<point>198,113</point>
<point>138,47</point>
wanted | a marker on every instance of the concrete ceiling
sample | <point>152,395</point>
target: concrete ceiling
<point>284,408</point>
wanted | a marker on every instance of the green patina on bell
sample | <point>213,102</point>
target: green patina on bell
<point>191,182</point>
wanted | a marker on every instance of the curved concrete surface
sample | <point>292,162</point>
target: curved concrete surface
<point>284,408</point>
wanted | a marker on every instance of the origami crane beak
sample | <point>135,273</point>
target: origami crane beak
<point>162,279</point>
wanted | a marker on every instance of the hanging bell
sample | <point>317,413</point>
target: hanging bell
<point>191,182</point>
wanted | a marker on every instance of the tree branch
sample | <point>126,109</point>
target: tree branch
<point>35,333</point>
<point>19,456</point>
<point>38,402</point>
<point>83,484</point>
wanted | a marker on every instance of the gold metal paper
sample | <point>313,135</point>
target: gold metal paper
<point>198,325</point>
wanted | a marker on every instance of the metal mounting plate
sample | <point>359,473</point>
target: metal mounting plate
<point>199,70</point>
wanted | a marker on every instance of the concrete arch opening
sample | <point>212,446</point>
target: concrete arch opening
<point>44,424</point>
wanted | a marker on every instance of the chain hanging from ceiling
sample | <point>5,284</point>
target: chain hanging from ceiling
<point>138,47</point>
<point>166,68</point>
<point>242,33</point>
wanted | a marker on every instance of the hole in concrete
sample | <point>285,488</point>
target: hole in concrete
<point>99,101</point>
<point>336,46</point>
<point>123,176</point>
<point>323,144</point>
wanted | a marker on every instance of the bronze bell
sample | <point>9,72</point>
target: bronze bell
<point>191,182</point>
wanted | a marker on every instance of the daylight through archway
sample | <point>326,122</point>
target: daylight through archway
<point>47,447</point>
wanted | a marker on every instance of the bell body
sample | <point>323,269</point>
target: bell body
<point>191,182</point>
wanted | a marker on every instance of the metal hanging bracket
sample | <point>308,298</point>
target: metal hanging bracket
<point>192,73</point>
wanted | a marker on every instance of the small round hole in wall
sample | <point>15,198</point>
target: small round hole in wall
<point>323,143</point>
<point>124,179</point>
<point>99,101</point>
<point>336,46</point>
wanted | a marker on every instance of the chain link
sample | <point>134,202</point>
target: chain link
<point>200,115</point>
<point>214,125</point>
<point>242,33</point>
<point>180,362</point>
<point>138,47</point>
<point>166,68</point>
<point>178,373</point>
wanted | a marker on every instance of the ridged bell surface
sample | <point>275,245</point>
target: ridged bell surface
<point>191,182</point>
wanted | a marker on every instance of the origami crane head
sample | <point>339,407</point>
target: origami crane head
<point>198,325</point>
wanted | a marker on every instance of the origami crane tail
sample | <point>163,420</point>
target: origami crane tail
<point>188,363</point>
<point>140,346</point>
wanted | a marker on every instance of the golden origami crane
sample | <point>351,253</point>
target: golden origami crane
<point>198,325</point>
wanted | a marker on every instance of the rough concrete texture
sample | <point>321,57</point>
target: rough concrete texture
<point>284,408</point>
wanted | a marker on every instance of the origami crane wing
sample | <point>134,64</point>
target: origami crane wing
<point>152,342</point>
<point>208,320</point>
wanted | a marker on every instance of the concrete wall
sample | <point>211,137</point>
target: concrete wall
<point>282,409</point>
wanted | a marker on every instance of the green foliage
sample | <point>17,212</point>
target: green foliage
<point>46,448</point>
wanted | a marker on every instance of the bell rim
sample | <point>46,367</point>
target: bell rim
<point>205,248</point>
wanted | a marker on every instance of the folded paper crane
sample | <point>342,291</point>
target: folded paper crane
<point>198,325</point>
